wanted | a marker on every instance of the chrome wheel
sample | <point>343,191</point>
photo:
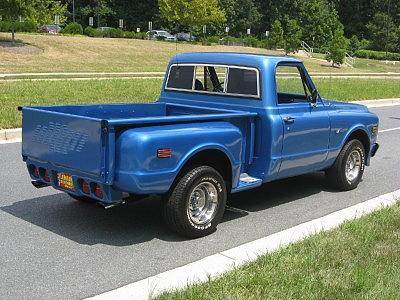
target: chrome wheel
<point>353,166</point>
<point>203,203</point>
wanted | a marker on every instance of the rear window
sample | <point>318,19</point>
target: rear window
<point>181,77</point>
<point>242,82</point>
<point>215,79</point>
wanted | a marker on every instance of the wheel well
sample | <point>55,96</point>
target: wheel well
<point>362,136</point>
<point>212,158</point>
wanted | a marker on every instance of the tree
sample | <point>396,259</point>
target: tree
<point>240,15</point>
<point>275,39</point>
<point>293,36</point>
<point>191,13</point>
<point>337,48</point>
<point>354,44</point>
<point>12,10</point>
<point>319,21</point>
<point>43,11</point>
<point>383,32</point>
<point>100,10</point>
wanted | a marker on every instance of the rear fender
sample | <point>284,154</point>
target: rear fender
<point>138,168</point>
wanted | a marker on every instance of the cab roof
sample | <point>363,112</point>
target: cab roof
<point>231,58</point>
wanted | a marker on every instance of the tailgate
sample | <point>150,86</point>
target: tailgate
<point>72,142</point>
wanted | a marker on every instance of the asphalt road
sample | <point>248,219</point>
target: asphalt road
<point>54,247</point>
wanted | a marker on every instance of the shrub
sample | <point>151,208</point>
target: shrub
<point>28,26</point>
<point>213,39</point>
<point>5,26</point>
<point>113,33</point>
<point>378,55</point>
<point>73,28</point>
<point>90,31</point>
<point>251,41</point>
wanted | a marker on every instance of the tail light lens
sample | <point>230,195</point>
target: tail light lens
<point>85,187</point>
<point>36,172</point>
<point>46,176</point>
<point>98,191</point>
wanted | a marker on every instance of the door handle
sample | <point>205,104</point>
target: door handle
<point>289,120</point>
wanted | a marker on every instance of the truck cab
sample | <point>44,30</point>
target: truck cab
<point>224,123</point>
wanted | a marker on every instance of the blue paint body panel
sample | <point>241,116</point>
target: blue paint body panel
<point>115,145</point>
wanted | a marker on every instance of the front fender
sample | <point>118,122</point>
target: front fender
<point>140,171</point>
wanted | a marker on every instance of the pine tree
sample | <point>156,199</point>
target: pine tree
<point>276,36</point>
<point>337,48</point>
<point>293,36</point>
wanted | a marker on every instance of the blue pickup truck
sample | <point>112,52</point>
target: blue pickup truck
<point>224,123</point>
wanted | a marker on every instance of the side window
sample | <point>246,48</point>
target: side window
<point>242,82</point>
<point>210,79</point>
<point>181,77</point>
<point>290,85</point>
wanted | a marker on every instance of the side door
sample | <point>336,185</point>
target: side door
<point>306,124</point>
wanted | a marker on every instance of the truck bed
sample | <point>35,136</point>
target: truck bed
<point>81,139</point>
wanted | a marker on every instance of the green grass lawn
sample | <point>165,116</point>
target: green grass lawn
<point>13,94</point>
<point>359,260</point>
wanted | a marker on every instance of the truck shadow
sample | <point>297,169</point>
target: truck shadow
<point>141,221</point>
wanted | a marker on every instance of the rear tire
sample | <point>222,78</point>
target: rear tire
<point>197,203</point>
<point>348,169</point>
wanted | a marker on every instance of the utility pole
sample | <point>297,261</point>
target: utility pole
<point>73,10</point>
<point>387,28</point>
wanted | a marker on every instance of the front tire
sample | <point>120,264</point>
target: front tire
<point>197,203</point>
<point>348,169</point>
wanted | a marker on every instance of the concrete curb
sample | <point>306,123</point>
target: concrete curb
<point>15,135</point>
<point>214,265</point>
<point>11,135</point>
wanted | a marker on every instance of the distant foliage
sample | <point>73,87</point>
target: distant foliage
<point>25,26</point>
<point>378,55</point>
<point>189,13</point>
<point>354,44</point>
<point>73,28</point>
<point>293,37</point>
<point>276,35</point>
<point>337,48</point>
<point>383,32</point>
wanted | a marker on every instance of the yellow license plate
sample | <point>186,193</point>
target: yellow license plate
<point>65,181</point>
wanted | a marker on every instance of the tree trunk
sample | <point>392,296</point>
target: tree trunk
<point>13,33</point>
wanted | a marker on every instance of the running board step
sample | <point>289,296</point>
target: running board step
<point>247,182</point>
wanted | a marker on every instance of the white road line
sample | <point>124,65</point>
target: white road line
<point>214,265</point>
<point>390,129</point>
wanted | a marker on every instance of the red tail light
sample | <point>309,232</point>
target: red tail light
<point>98,191</point>
<point>85,187</point>
<point>46,176</point>
<point>36,171</point>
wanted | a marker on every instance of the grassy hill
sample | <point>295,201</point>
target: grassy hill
<point>47,53</point>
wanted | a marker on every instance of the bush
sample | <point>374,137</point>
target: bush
<point>5,26</point>
<point>113,33</point>
<point>213,39</point>
<point>378,55</point>
<point>251,41</point>
<point>26,26</point>
<point>90,31</point>
<point>73,28</point>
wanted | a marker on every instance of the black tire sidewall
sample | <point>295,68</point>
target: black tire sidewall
<point>178,213</point>
<point>352,145</point>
